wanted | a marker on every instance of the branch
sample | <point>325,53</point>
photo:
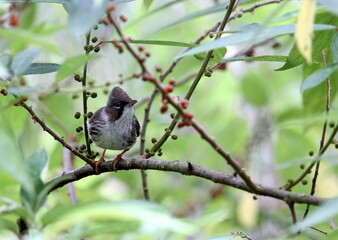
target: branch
<point>35,118</point>
<point>187,169</point>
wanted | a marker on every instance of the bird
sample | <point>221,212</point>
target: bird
<point>114,127</point>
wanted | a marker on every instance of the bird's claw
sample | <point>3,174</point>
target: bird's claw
<point>97,165</point>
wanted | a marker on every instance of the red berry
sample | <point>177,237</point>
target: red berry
<point>168,89</point>
<point>123,18</point>
<point>14,20</point>
<point>148,54</point>
<point>172,81</point>
<point>187,122</point>
<point>188,115</point>
<point>164,108</point>
<point>140,48</point>
<point>181,124</point>
<point>164,101</point>
<point>185,103</point>
<point>250,53</point>
<point>222,66</point>
<point>111,7</point>
<point>158,68</point>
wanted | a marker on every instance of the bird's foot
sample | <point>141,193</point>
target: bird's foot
<point>118,158</point>
<point>97,165</point>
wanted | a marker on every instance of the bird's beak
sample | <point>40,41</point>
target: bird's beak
<point>132,103</point>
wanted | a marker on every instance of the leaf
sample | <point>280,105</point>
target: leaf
<point>164,43</point>
<point>41,68</point>
<point>217,55</point>
<point>36,162</point>
<point>249,35</point>
<point>84,14</point>
<point>22,36</point>
<point>23,60</point>
<point>71,65</point>
<point>227,237</point>
<point>318,77</point>
<point>330,5</point>
<point>320,42</point>
<point>268,58</point>
<point>304,28</point>
<point>11,160</point>
<point>150,215</point>
<point>322,213</point>
<point>147,3</point>
<point>334,48</point>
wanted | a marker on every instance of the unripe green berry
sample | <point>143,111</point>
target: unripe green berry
<point>95,27</point>
<point>97,49</point>
<point>90,114</point>
<point>93,94</point>
<point>302,166</point>
<point>77,115</point>
<point>173,137</point>
<point>311,153</point>
<point>77,77</point>
<point>94,39</point>
<point>159,154</point>
<point>304,182</point>
<point>172,115</point>
<point>239,14</point>
<point>82,147</point>
<point>154,140</point>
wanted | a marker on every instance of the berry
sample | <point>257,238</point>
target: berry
<point>97,49</point>
<point>304,182</point>
<point>311,153</point>
<point>172,115</point>
<point>331,124</point>
<point>154,140</point>
<point>173,137</point>
<point>14,20</point>
<point>77,115</point>
<point>93,94</point>
<point>188,115</point>
<point>4,92</point>
<point>168,89</point>
<point>90,114</point>
<point>180,125</point>
<point>222,66</point>
<point>250,53</point>
<point>239,14</point>
<point>94,39</point>
<point>111,7</point>
<point>77,78</point>
<point>148,54</point>
<point>172,81</point>
<point>95,27</point>
<point>140,48</point>
<point>158,68</point>
<point>302,166</point>
<point>207,73</point>
<point>185,103</point>
<point>123,18</point>
<point>79,129</point>
<point>164,108</point>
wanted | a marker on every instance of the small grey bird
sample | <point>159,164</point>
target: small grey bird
<point>115,126</point>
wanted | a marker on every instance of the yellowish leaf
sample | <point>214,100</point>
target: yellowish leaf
<point>304,28</point>
<point>247,211</point>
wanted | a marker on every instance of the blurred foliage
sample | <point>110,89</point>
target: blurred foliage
<point>260,100</point>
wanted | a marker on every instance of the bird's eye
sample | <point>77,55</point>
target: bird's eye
<point>117,105</point>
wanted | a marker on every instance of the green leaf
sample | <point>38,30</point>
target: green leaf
<point>320,41</point>
<point>252,34</point>
<point>83,15</point>
<point>71,65</point>
<point>17,35</point>
<point>323,213</point>
<point>9,225</point>
<point>36,163</point>
<point>23,60</point>
<point>11,160</point>
<point>164,43</point>
<point>267,58</point>
<point>41,68</point>
<point>334,48</point>
<point>147,3</point>
<point>227,237</point>
<point>148,214</point>
<point>217,55</point>
<point>318,77</point>
<point>330,5</point>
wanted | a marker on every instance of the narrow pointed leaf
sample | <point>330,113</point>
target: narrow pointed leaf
<point>164,43</point>
<point>23,60</point>
<point>253,34</point>
<point>41,68</point>
<point>318,77</point>
<point>304,28</point>
<point>265,58</point>
<point>334,47</point>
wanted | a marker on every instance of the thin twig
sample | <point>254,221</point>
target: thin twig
<point>188,170</point>
<point>84,99</point>
<point>293,212</point>
<point>327,110</point>
<point>35,118</point>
